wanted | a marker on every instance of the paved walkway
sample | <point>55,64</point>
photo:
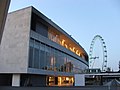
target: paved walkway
<point>61,88</point>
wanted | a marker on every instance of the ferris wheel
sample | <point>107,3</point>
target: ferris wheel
<point>98,60</point>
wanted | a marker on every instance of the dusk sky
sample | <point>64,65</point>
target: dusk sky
<point>83,19</point>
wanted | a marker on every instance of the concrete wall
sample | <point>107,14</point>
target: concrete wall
<point>15,42</point>
<point>79,80</point>
<point>4,5</point>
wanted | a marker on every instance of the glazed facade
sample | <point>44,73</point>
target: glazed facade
<point>37,52</point>
<point>46,57</point>
<point>43,55</point>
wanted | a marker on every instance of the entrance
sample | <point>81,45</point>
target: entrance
<point>60,81</point>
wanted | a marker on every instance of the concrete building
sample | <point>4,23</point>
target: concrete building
<point>36,52</point>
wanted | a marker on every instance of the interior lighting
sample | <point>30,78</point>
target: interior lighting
<point>60,80</point>
<point>73,49</point>
<point>66,46</point>
<point>67,78</point>
<point>76,51</point>
<point>79,54</point>
<point>63,41</point>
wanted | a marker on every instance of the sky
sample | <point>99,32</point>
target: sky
<point>83,19</point>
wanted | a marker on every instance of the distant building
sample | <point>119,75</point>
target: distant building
<point>93,70</point>
<point>36,52</point>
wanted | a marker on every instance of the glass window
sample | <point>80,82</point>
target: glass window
<point>58,61</point>
<point>52,59</point>
<point>31,42</point>
<point>57,64</point>
<point>45,57</point>
<point>37,44</point>
<point>61,61</point>
<point>69,65</point>
<point>42,56</point>
<point>30,56</point>
<point>42,29</point>
<point>36,58</point>
<point>36,54</point>
<point>48,57</point>
<point>77,65</point>
<point>65,61</point>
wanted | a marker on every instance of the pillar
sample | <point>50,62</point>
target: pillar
<point>16,80</point>
<point>79,79</point>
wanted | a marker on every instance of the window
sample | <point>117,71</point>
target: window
<point>32,42</point>
<point>42,56</point>
<point>36,58</point>
<point>30,56</point>
<point>42,29</point>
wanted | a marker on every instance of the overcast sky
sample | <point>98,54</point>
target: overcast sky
<point>83,19</point>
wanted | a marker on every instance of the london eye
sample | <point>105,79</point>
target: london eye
<point>98,54</point>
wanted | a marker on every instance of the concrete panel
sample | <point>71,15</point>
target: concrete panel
<point>79,80</point>
<point>16,80</point>
<point>15,42</point>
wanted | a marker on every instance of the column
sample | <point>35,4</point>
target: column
<point>16,80</point>
<point>79,79</point>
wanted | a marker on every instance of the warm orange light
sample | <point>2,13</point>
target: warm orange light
<point>60,80</point>
<point>73,49</point>
<point>66,46</point>
<point>70,49</point>
<point>77,52</point>
<point>72,79</point>
<point>67,78</point>
<point>63,41</point>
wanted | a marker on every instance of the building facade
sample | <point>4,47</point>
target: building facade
<point>36,52</point>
